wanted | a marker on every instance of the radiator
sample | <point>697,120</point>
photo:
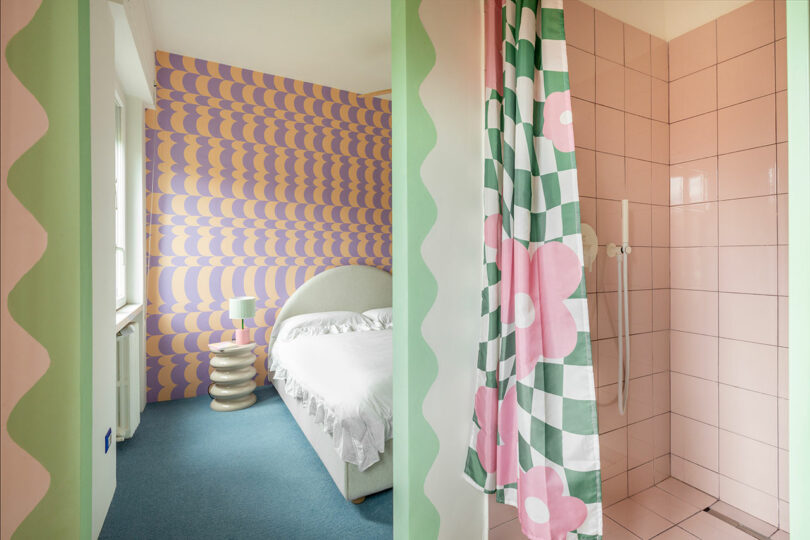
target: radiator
<point>128,381</point>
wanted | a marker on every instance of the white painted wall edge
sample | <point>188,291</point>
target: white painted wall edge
<point>134,49</point>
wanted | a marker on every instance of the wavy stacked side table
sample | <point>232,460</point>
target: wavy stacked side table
<point>232,376</point>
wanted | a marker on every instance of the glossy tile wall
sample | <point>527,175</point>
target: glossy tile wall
<point>728,259</point>
<point>619,91</point>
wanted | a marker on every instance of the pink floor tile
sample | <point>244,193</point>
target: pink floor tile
<point>687,493</point>
<point>637,519</point>
<point>508,531</point>
<point>499,513</point>
<point>614,531</point>
<point>675,533</point>
<point>705,526</point>
<point>665,504</point>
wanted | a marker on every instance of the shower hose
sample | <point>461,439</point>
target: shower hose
<point>624,330</point>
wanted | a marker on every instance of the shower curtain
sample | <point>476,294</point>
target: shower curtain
<point>534,436</point>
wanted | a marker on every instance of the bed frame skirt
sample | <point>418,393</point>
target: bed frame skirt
<point>352,483</point>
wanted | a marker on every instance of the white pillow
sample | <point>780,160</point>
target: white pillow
<point>328,322</point>
<point>382,317</point>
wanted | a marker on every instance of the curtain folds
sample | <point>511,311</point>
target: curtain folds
<point>534,439</point>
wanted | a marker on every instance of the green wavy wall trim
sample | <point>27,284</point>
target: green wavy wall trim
<point>415,366</point>
<point>50,57</point>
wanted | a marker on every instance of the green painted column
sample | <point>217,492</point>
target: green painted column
<point>415,366</point>
<point>798,67</point>
<point>52,301</point>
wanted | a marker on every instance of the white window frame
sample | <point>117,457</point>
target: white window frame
<point>119,204</point>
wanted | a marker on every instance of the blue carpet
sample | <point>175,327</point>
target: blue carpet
<point>190,472</point>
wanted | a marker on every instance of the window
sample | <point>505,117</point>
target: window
<point>120,209</point>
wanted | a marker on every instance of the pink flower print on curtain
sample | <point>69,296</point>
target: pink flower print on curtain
<point>534,437</point>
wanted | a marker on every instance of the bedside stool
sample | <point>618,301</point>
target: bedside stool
<point>232,376</point>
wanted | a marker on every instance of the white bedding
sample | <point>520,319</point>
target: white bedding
<point>345,382</point>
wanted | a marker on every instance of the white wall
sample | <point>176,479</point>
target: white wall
<point>453,95</point>
<point>102,130</point>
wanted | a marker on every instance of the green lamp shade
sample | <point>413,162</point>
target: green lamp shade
<point>243,307</point>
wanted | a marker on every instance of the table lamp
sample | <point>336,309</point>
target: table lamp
<point>242,307</point>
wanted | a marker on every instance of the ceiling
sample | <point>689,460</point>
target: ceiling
<point>344,44</point>
<point>666,19</point>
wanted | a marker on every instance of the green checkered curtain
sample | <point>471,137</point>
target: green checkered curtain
<point>534,440</point>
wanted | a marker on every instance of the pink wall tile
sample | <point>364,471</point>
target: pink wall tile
<point>750,173</point>
<point>782,270</point>
<point>661,393</point>
<point>784,476</point>
<point>639,479</point>
<point>606,278</point>
<point>609,37</point>
<point>593,316</point>
<point>499,513</point>
<point>782,306</point>
<point>661,435</point>
<point>660,142</point>
<point>748,269</point>
<point>637,93</point>
<point>693,398</point>
<point>782,231</point>
<point>661,309</point>
<point>582,74</point>
<point>610,183</point>
<point>640,440</point>
<point>693,95</point>
<point>660,226</point>
<point>640,402</point>
<point>749,317</point>
<point>748,76</point>
<point>697,476</point>
<point>609,218</point>
<point>660,268</point>
<point>587,211</point>
<point>781,117</point>
<point>584,123</point>
<point>608,350</point>
<point>640,223</point>
<point>694,311</point>
<point>659,52</point>
<point>694,268</point>
<point>636,49</point>
<point>692,51</point>
<point>641,355</point>
<point>752,501</point>
<point>609,83</point>
<point>586,172</point>
<point>693,181</point>
<point>639,269</point>
<point>694,138</point>
<point>744,29</point>
<point>606,306</point>
<point>779,23</point>
<point>752,366</point>
<point>781,65</point>
<point>640,311</point>
<point>614,489</point>
<point>747,222</point>
<point>659,100</point>
<point>661,469</point>
<point>746,125</point>
<point>608,410</point>
<point>693,225</point>
<point>639,180</point>
<point>782,168</point>
<point>579,24</point>
<point>659,190</point>
<point>782,423</point>
<point>695,441</point>
<point>660,351</point>
<point>748,413</point>
<point>609,130</point>
<point>694,354</point>
<point>637,137</point>
<point>613,452</point>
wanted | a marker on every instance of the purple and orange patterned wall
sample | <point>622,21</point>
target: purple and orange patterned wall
<point>255,183</point>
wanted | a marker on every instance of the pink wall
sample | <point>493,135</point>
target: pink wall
<point>728,259</point>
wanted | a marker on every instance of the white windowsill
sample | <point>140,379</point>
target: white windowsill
<point>126,314</point>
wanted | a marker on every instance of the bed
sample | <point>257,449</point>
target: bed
<point>338,386</point>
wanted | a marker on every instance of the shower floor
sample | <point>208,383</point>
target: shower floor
<point>671,510</point>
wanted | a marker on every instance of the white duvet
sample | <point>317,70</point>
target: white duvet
<point>345,382</point>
